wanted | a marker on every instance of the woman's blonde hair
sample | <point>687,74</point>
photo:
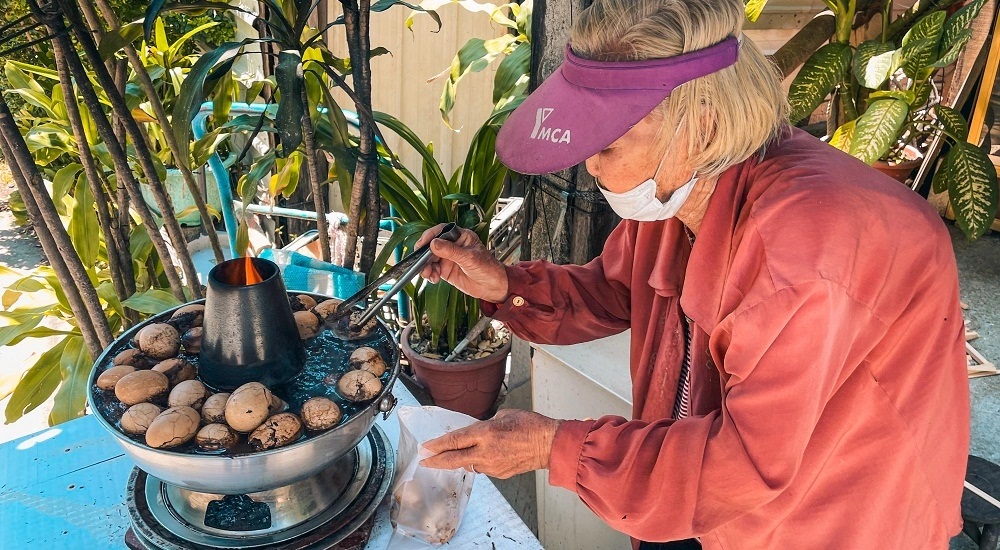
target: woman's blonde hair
<point>724,117</point>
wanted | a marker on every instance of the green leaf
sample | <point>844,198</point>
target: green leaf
<point>291,107</point>
<point>74,366</point>
<point>400,234</point>
<point>918,55</point>
<point>114,41</point>
<point>174,50</point>
<point>953,121</point>
<point>62,183</point>
<point>511,70</point>
<point>207,146</point>
<point>953,51</point>
<point>474,56</point>
<point>247,186</point>
<point>959,22</point>
<point>972,188</point>
<point>878,129</point>
<point>37,384</point>
<point>941,179</point>
<point>192,93</point>
<point>106,291</point>
<point>754,8</point>
<point>825,69</point>
<point>907,96</point>
<point>841,138</point>
<point>436,298</point>
<point>84,229</point>
<point>872,63</point>
<point>286,179</point>
<point>40,332</point>
<point>928,27</point>
<point>17,324</point>
<point>151,301</point>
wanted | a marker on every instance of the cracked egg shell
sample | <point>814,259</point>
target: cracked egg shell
<point>159,340</point>
<point>320,413</point>
<point>277,431</point>
<point>138,417</point>
<point>188,317</point>
<point>177,370</point>
<point>307,323</point>
<point>359,385</point>
<point>191,340</point>
<point>215,437</point>
<point>248,407</point>
<point>173,427</point>
<point>110,377</point>
<point>326,308</point>
<point>365,358</point>
<point>213,411</point>
<point>348,329</point>
<point>189,393</point>
<point>307,301</point>
<point>142,386</point>
<point>134,357</point>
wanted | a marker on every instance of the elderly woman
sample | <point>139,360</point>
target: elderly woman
<point>797,352</point>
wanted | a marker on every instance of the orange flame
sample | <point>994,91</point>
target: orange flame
<point>251,275</point>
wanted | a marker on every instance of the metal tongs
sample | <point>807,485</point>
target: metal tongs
<point>404,271</point>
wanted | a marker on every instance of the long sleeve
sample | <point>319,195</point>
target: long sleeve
<point>569,304</point>
<point>782,359</point>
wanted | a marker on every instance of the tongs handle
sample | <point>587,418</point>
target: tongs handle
<point>410,266</point>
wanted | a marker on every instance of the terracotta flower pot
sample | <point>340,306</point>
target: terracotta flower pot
<point>901,171</point>
<point>469,387</point>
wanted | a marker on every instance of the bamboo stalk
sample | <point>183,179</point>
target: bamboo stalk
<point>146,83</point>
<point>143,154</point>
<point>124,287</point>
<point>62,47</point>
<point>58,248</point>
<point>315,180</point>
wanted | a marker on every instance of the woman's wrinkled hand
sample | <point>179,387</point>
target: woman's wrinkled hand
<point>513,442</point>
<point>466,264</point>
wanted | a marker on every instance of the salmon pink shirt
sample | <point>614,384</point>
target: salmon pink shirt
<point>829,394</point>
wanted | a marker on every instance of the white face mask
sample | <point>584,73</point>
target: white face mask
<point>641,204</point>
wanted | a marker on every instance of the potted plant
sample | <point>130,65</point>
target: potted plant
<point>442,316</point>
<point>884,109</point>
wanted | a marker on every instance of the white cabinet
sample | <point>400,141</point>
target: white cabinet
<point>587,380</point>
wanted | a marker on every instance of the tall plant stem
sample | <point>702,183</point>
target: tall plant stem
<point>143,154</point>
<point>58,248</point>
<point>123,281</point>
<point>146,83</point>
<point>365,178</point>
<point>62,47</point>
<point>315,181</point>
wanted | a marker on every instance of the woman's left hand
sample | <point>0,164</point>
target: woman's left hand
<point>513,442</point>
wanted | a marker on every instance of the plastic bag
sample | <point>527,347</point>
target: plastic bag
<point>428,504</point>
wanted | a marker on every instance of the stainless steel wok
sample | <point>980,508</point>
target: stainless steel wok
<point>251,472</point>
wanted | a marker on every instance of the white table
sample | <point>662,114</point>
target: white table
<point>64,488</point>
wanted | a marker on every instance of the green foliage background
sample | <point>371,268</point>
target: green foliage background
<point>127,10</point>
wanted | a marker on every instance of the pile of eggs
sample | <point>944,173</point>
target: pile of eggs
<point>168,407</point>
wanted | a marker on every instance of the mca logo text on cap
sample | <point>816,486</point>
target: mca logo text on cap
<point>555,135</point>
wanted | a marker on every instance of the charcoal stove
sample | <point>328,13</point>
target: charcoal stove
<point>320,492</point>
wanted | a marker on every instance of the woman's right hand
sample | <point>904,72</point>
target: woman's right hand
<point>466,264</point>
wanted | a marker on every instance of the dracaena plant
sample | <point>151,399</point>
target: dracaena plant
<point>306,69</point>
<point>512,48</point>
<point>425,197</point>
<point>884,99</point>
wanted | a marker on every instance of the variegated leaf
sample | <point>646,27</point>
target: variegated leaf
<point>953,121</point>
<point>903,95</point>
<point>872,63</point>
<point>841,138</point>
<point>878,129</point>
<point>917,55</point>
<point>940,182</point>
<point>820,74</point>
<point>959,22</point>
<point>929,27</point>
<point>950,54</point>
<point>754,8</point>
<point>972,188</point>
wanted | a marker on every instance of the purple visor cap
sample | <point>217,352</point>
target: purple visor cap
<point>586,105</point>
